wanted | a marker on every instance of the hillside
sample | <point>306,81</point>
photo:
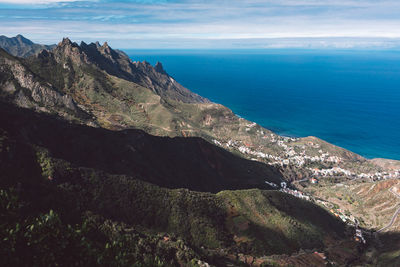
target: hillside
<point>19,46</point>
<point>63,203</point>
<point>170,162</point>
<point>376,205</point>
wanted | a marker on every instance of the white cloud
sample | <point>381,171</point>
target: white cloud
<point>204,36</point>
<point>35,2</point>
<point>205,22</point>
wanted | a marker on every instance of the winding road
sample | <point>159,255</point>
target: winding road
<point>396,213</point>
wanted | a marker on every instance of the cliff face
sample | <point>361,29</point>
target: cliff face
<point>25,89</point>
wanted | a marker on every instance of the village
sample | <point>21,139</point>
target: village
<point>288,156</point>
<point>285,154</point>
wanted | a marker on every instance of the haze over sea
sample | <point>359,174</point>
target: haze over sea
<point>348,98</point>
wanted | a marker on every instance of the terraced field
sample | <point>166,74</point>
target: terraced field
<point>372,202</point>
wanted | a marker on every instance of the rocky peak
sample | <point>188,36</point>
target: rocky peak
<point>159,68</point>
<point>106,50</point>
<point>67,45</point>
<point>68,49</point>
<point>23,40</point>
<point>43,54</point>
<point>119,64</point>
<point>65,42</point>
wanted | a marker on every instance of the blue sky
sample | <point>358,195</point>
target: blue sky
<point>208,23</point>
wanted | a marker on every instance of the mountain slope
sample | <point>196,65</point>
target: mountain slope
<point>374,203</point>
<point>176,225</point>
<point>19,46</point>
<point>170,162</point>
<point>117,93</point>
<point>123,94</point>
<point>22,87</point>
<point>72,56</point>
<point>83,149</point>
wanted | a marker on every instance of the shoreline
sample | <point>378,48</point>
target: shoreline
<point>258,87</point>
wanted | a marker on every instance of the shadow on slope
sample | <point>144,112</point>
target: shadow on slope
<point>201,219</point>
<point>388,253</point>
<point>169,162</point>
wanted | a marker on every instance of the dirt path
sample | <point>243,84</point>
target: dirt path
<point>396,213</point>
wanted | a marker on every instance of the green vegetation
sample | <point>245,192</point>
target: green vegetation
<point>73,195</point>
<point>391,258</point>
<point>85,216</point>
<point>45,240</point>
<point>169,162</point>
<point>45,162</point>
<point>277,222</point>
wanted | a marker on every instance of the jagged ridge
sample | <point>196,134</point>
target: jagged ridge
<point>118,64</point>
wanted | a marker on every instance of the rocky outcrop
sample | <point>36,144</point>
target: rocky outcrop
<point>20,86</point>
<point>40,93</point>
<point>164,85</point>
<point>68,51</point>
<point>118,64</point>
<point>159,68</point>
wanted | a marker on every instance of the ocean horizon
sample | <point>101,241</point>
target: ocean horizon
<point>350,98</point>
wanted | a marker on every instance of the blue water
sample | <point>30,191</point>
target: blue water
<point>348,98</point>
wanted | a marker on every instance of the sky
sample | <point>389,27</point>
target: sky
<point>208,24</point>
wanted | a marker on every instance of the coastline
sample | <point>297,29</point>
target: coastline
<point>267,88</point>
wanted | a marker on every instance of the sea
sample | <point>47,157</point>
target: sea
<point>350,98</point>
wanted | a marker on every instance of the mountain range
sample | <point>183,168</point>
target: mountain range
<point>109,161</point>
<point>20,46</point>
